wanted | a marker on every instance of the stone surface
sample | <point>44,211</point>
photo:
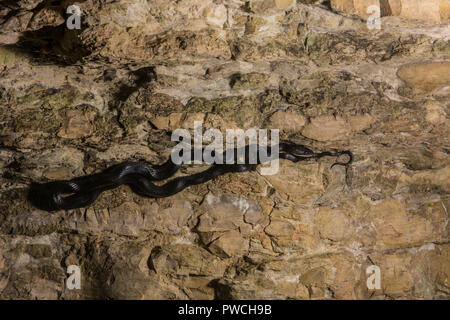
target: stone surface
<point>425,77</point>
<point>73,102</point>
<point>288,121</point>
<point>326,128</point>
<point>435,11</point>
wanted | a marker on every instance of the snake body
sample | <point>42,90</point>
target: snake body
<point>83,191</point>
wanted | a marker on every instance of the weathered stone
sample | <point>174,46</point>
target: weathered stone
<point>46,17</point>
<point>198,288</point>
<point>280,228</point>
<point>302,183</point>
<point>73,102</point>
<point>395,228</point>
<point>426,10</point>
<point>360,123</point>
<point>186,260</point>
<point>435,112</point>
<point>7,56</point>
<point>230,244</point>
<point>39,250</point>
<point>326,128</point>
<point>333,224</point>
<point>425,77</point>
<point>358,7</point>
<point>249,80</point>
<point>396,273</point>
<point>77,124</point>
<point>287,121</point>
<point>283,4</point>
<point>172,219</point>
<point>216,15</point>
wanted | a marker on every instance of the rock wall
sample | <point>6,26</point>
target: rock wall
<point>73,102</point>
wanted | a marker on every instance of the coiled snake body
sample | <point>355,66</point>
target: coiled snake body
<point>82,191</point>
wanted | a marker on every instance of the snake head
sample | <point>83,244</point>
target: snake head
<point>43,195</point>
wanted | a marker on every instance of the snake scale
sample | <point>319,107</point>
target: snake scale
<point>83,191</point>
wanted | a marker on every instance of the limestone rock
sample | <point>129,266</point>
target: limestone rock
<point>426,76</point>
<point>324,128</point>
<point>230,244</point>
<point>402,228</point>
<point>333,224</point>
<point>249,80</point>
<point>73,102</point>
<point>435,112</point>
<point>283,4</point>
<point>302,183</point>
<point>427,10</point>
<point>287,121</point>
<point>358,7</point>
<point>186,260</point>
<point>76,125</point>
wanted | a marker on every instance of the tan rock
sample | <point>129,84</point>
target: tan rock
<point>426,10</point>
<point>175,120</point>
<point>265,6</point>
<point>395,228</point>
<point>249,80</point>
<point>321,274</point>
<point>58,173</point>
<point>333,224</point>
<point>440,265</point>
<point>280,228</point>
<point>396,275</point>
<point>46,17</point>
<point>394,7</point>
<point>253,26</point>
<point>344,6</point>
<point>435,112</point>
<point>215,15</point>
<point>293,290</point>
<point>125,152</point>
<point>161,123</point>
<point>283,4</point>
<point>198,288</point>
<point>125,219</point>
<point>300,182</point>
<point>315,280</point>
<point>357,7</point>
<point>425,77</point>
<point>361,7</point>
<point>444,7</point>
<point>230,244</point>
<point>191,118</point>
<point>7,56</point>
<point>326,128</point>
<point>182,259</point>
<point>226,213</point>
<point>360,123</point>
<point>60,162</point>
<point>287,121</point>
<point>426,179</point>
<point>77,124</point>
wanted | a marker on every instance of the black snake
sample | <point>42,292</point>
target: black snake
<point>82,191</point>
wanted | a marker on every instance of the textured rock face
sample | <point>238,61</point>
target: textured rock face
<point>73,102</point>
<point>425,10</point>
